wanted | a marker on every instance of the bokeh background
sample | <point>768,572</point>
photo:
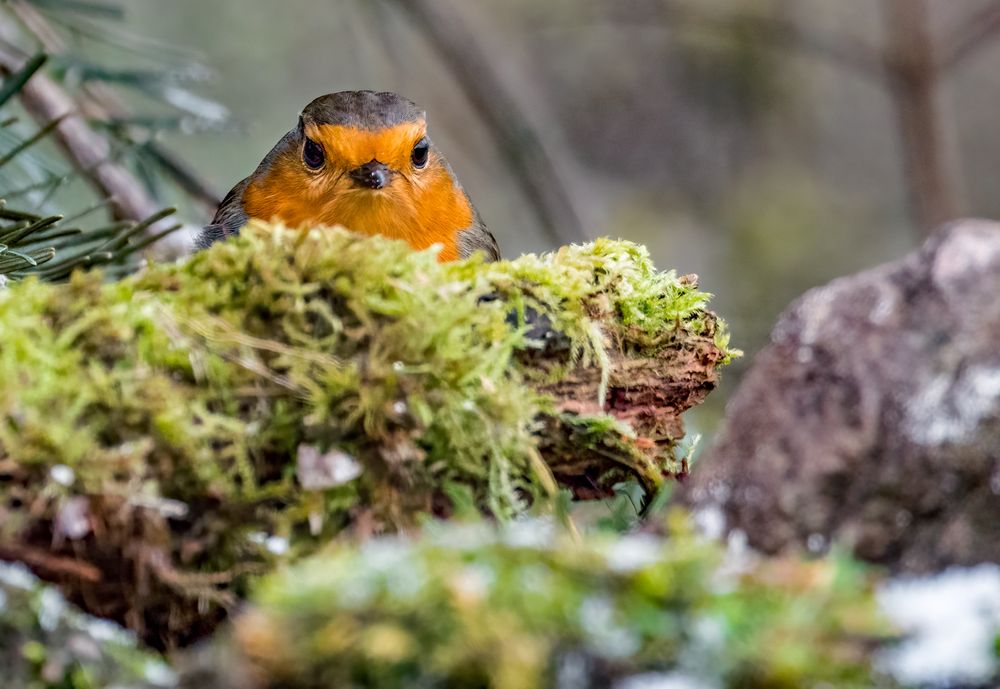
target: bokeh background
<point>766,145</point>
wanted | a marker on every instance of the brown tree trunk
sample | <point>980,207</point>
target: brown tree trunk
<point>928,157</point>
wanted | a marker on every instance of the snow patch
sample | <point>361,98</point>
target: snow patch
<point>598,618</point>
<point>885,306</point>
<point>62,474</point>
<point>634,552</point>
<point>710,522</point>
<point>816,312</point>
<point>529,533</point>
<point>950,621</point>
<point>944,413</point>
<point>658,680</point>
<point>968,252</point>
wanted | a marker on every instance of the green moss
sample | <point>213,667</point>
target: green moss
<point>287,384</point>
<point>471,606</point>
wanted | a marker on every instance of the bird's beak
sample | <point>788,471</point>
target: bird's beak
<point>372,175</point>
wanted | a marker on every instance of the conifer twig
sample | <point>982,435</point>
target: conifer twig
<point>46,101</point>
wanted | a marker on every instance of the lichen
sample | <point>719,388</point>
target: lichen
<point>167,431</point>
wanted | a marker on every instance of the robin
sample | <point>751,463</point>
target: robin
<point>363,160</point>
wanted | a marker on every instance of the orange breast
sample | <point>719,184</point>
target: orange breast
<point>424,208</point>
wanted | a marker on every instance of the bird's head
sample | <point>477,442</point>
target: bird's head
<point>363,160</point>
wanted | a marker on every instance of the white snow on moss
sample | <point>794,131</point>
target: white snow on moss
<point>634,552</point>
<point>950,622</point>
<point>658,680</point>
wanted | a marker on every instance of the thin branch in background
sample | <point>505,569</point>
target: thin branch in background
<point>517,140</point>
<point>182,174</point>
<point>45,184</point>
<point>849,52</point>
<point>81,25</point>
<point>974,34</point>
<point>907,68</point>
<point>79,215</point>
<point>31,140</point>
<point>929,158</point>
<point>84,6</point>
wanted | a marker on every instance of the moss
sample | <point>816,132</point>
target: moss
<point>529,607</point>
<point>280,387</point>
<point>45,644</point>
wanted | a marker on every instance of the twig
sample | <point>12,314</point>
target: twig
<point>50,565</point>
<point>973,34</point>
<point>16,81</point>
<point>929,154</point>
<point>518,142</point>
<point>849,52</point>
<point>184,176</point>
<point>100,101</point>
<point>46,101</point>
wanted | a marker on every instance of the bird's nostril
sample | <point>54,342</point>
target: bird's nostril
<point>372,175</point>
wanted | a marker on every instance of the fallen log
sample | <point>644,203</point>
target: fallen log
<point>166,437</point>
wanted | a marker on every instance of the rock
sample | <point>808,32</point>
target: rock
<point>873,416</point>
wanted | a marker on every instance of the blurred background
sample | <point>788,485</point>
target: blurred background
<point>766,145</point>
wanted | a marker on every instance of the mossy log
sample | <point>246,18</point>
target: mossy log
<point>164,437</point>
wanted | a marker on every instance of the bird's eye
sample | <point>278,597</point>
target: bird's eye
<point>312,154</point>
<point>421,152</point>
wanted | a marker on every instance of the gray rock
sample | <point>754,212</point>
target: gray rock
<point>873,416</point>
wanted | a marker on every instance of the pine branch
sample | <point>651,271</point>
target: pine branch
<point>16,81</point>
<point>186,177</point>
<point>99,102</point>
<point>46,101</point>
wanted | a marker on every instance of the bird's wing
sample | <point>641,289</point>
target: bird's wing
<point>229,218</point>
<point>478,238</point>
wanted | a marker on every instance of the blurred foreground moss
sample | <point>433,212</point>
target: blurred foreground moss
<point>526,607</point>
<point>165,436</point>
<point>471,605</point>
<point>46,644</point>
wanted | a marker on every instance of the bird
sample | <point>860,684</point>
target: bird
<point>363,160</point>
